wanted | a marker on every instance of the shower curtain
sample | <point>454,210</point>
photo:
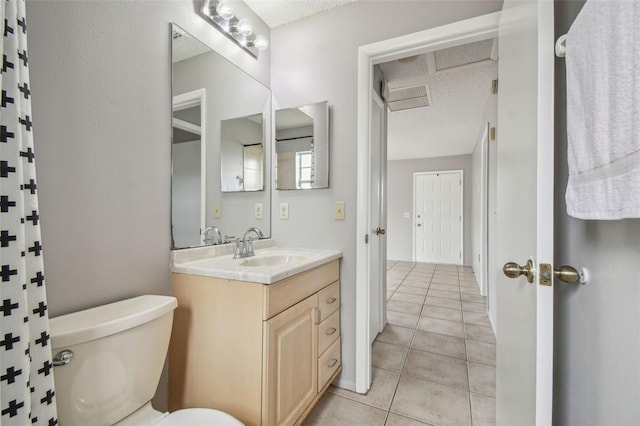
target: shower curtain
<point>27,393</point>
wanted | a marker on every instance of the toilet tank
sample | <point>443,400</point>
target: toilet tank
<point>119,352</point>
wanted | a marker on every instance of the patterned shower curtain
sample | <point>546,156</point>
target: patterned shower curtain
<point>27,393</point>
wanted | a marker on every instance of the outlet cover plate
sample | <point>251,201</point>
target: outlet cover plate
<point>258,211</point>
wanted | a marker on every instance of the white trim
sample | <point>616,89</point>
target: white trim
<point>484,210</point>
<point>189,100</point>
<point>457,33</point>
<point>544,205</point>
<point>186,126</point>
<point>434,172</point>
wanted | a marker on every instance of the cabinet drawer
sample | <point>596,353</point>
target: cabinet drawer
<point>328,363</point>
<point>329,300</point>
<point>279,296</point>
<point>329,330</point>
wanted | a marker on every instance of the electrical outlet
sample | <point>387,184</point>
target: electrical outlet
<point>284,210</point>
<point>217,211</point>
<point>339,210</point>
<point>258,211</point>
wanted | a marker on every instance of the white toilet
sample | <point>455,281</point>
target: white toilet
<point>115,354</point>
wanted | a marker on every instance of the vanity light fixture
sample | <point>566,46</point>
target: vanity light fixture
<point>221,15</point>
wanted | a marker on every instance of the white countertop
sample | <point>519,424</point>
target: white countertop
<point>225,266</point>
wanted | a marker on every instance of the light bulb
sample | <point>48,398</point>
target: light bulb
<point>244,27</point>
<point>224,10</point>
<point>261,42</point>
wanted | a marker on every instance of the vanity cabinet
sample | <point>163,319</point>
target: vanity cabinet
<point>262,353</point>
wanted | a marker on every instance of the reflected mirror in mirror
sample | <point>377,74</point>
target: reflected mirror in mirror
<point>215,105</point>
<point>302,147</point>
<point>242,160</point>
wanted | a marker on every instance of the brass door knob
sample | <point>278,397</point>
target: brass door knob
<point>566,273</point>
<point>380,231</point>
<point>513,270</point>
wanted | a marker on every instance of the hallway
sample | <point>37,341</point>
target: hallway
<point>434,363</point>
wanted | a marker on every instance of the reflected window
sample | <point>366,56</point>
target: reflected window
<point>304,169</point>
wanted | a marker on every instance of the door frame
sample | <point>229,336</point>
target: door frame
<point>413,234</point>
<point>188,100</point>
<point>449,35</point>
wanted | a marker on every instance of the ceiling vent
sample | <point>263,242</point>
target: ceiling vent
<point>400,98</point>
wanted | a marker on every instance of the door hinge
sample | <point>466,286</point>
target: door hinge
<point>494,87</point>
<point>366,238</point>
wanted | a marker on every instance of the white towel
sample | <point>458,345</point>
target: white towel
<point>603,111</point>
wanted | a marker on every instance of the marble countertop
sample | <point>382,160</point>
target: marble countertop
<point>269,265</point>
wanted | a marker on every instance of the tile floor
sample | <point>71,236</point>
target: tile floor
<point>435,361</point>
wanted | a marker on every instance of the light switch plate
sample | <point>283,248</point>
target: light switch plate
<point>284,210</point>
<point>217,211</point>
<point>339,210</point>
<point>258,211</point>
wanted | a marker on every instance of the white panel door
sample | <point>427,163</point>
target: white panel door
<point>438,217</point>
<point>377,261</point>
<point>525,212</point>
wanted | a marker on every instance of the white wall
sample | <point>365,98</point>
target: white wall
<point>597,325</point>
<point>315,59</point>
<point>101,87</point>
<point>400,201</point>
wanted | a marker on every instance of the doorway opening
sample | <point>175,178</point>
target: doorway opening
<point>450,36</point>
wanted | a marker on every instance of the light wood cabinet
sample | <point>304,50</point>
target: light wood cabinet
<point>262,353</point>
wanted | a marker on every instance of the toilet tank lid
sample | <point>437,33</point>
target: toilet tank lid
<point>90,324</point>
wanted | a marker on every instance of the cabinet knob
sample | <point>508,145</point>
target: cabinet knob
<point>331,331</point>
<point>331,363</point>
<point>330,300</point>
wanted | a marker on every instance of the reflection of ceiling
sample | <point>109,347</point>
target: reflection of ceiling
<point>279,12</point>
<point>292,118</point>
<point>459,81</point>
<point>184,46</point>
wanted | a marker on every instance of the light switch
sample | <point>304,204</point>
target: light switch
<point>339,210</point>
<point>258,211</point>
<point>284,210</point>
<point>217,211</point>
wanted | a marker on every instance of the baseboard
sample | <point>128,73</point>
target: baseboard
<point>344,384</point>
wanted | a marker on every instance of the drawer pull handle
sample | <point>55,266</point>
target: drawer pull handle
<point>331,331</point>
<point>330,300</point>
<point>331,363</point>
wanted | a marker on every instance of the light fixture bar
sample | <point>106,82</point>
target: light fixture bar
<point>221,15</point>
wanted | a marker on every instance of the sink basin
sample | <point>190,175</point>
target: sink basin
<point>272,260</point>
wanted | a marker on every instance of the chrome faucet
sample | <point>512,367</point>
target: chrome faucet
<point>215,239</point>
<point>244,247</point>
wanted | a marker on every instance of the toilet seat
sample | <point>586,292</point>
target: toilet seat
<point>198,417</point>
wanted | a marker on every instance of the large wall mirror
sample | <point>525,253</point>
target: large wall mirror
<point>302,147</point>
<point>221,121</point>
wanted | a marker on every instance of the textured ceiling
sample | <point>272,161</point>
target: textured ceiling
<point>453,122</point>
<point>280,12</point>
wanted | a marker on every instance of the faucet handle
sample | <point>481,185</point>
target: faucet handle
<point>248,248</point>
<point>239,253</point>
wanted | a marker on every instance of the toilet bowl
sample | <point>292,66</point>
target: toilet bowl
<point>107,365</point>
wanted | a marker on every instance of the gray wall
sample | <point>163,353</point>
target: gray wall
<point>100,77</point>
<point>315,59</point>
<point>400,200</point>
<point>597,325</point>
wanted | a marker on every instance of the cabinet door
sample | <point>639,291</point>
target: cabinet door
<point>290,362</point>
